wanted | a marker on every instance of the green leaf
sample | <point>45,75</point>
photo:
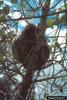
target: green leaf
<point>57,45</point>
<point>2,17</point>
<point>14,1</point>
<point>1,2</point>
<point>50,22</point>
<point>23,4</point>
<point>6,10</point>
<point>1,31</point>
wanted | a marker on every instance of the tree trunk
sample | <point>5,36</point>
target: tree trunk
<point>25,85</point>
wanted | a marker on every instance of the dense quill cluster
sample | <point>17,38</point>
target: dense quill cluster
<point>29,49</point>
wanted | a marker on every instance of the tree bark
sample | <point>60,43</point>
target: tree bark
<point>27,81</point>
<point>25,85</point>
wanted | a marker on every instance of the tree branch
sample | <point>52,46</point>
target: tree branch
<point>48,78</point>
<point>22,18</point>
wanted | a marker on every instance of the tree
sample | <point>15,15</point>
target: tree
<point>45,16</point>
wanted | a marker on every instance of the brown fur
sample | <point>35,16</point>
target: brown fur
<point>25,48</point>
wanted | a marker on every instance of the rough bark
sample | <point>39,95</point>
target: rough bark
<point>25,85</point>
